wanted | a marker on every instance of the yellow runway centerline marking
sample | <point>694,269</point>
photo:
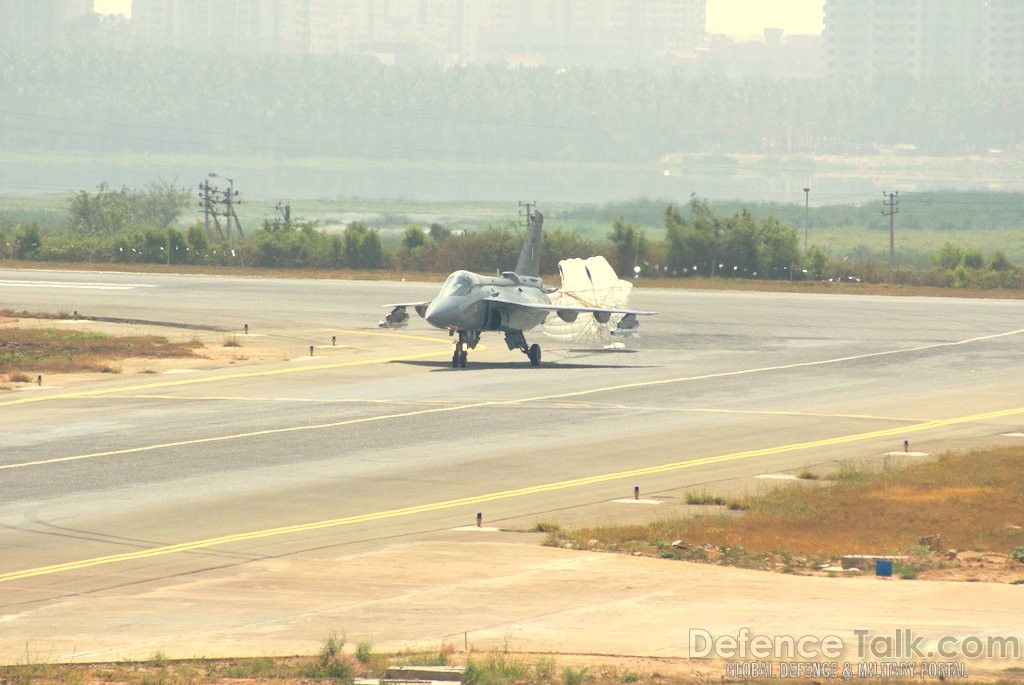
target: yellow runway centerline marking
<point>495,496</point>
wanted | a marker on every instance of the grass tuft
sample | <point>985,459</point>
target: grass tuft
<point>703,497</point>
<point>364,651</point>
<point>497,667</point>
<point>546,527</point>
<point>575,676</point>
<point>332,663</point>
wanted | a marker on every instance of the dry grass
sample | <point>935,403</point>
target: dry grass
<point>493,667</point>
<point>48,350</point>
<point>972,500</point>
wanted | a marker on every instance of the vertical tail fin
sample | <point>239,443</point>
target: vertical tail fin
<point>529,258</point>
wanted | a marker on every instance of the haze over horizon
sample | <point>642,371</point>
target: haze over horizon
<point>720,118</point>
<point>738,18</point>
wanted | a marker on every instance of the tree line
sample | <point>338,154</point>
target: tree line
<point>141,226</point>
<point>350,106</point>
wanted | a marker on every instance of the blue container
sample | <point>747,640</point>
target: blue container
<point>883,568</point>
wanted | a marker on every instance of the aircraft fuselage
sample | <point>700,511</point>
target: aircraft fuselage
<point>470,302</point>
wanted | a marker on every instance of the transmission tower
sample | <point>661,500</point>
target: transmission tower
<point>890,207</point>
<point>529,206</point>
<point>216,202</point>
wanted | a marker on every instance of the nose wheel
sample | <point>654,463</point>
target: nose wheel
<point>459,357</point>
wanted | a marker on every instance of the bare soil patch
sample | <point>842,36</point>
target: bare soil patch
<point>68,350</point>
<point>52,350</point>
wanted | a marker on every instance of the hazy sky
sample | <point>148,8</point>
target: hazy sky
<point>751,17</point>
<point>733,17</point>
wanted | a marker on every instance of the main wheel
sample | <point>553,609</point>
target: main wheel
<point>455,360</point>
<point>534,354</point>
<point>463,356</point>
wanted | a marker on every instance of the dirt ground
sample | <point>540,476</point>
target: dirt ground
<point>219,349</point>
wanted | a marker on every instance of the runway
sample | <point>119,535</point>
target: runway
<point>138,482</point>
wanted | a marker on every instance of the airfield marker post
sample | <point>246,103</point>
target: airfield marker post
<point>39,379</point>
<point>906,445</point>
<point>247,329</point>
<point>636,492</point>
<point>479,519</point>
<point>334,340</point>
<point>310,350</point>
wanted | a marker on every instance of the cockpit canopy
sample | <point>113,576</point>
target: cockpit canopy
<point>459,283</point>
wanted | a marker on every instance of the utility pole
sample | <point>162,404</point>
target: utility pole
<point>215,196</point>
<point>204,203</point>
<point>890,211</point>
<point>529,212</point>
<point>286,212</point>
<point>807,202</point>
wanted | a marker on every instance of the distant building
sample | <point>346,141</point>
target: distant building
<point>777,56</point>
<point>225,25</point>
<point>40,23</point>
<point>592,32</point>
<point>962,40</point>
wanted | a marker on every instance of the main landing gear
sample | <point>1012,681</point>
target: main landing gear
<point>534,354</point>
<point>514,339</point>
<point>517,341</point>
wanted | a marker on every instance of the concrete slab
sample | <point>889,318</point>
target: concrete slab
<point>495,595</point>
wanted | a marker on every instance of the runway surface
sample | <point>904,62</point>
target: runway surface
<point>139,483</point>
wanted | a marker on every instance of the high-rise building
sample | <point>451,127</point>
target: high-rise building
<point>40,23</point>
<point>448,31</point>
<point>225,25</point>
<point>961,40</point>
<point>592,32</point>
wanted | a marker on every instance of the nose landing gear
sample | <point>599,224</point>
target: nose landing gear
<point>459,357</point>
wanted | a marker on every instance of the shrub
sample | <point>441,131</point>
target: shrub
<point>703,497</point>
<point>574,676</point>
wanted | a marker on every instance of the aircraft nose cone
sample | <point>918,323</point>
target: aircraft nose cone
<point>442,313</point>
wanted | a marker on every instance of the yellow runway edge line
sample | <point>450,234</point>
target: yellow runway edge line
<point>494,496</point>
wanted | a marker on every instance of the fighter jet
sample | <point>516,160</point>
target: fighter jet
<point>513,303</point>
